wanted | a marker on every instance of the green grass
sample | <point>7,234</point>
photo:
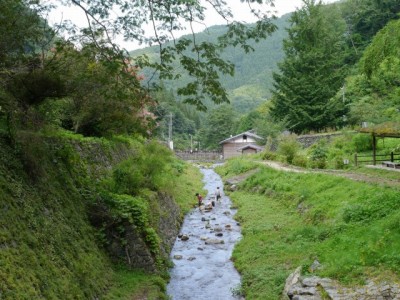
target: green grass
<point>135,284</point>
<point>186,186</point>
<point>381,173</point>
<point>290,219</point>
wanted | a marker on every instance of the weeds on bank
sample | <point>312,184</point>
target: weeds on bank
<point>290,220</point>
<point>134,284</point>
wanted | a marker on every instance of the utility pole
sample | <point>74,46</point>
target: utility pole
<point>170,143</point>
<point>343,92</point>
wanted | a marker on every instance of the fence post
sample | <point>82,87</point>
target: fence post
<point>391,157</point>
<point>355,159</point>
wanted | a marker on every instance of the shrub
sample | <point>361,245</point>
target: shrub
<point>319,153</point>
<point>288,147</point>
<point>268,155</point>
<point>300,160</point>
<point>362,142</point>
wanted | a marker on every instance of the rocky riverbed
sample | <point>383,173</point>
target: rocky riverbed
<point>201,253</point>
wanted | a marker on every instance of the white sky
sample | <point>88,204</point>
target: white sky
<point>239,10</point>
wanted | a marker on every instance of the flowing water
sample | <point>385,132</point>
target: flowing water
<point>204,271</point>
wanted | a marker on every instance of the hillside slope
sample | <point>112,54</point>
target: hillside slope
<point>253,72</point>
<point>64,226</point>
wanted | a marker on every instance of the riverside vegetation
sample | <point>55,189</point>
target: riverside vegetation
<point>292,219</point>
<point>53,187</point>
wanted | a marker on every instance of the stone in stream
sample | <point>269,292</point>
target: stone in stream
<point>177,256</point>
<point>199,248</point>
<point>217,229</point>
<point>184,237</point>
<point>180,235</point>
<point>203,219</point>
<point>203,238</point>
<point>228,226</point>
<point>191,258</point>
<point>219,234</point>
<point>227,213</point>
<point>214,241</point>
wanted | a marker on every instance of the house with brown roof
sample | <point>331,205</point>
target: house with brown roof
<point>243,143</point>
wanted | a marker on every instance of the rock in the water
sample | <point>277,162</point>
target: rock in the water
<point>177,256</point>
<point>227,213</point>
<point>180,235</point>
<point>203,219</point>
<point>214,242</point>
<point>199,248</point>
<point>184,237</point>
<point>217,229</point>
<point>219,234</point>
<point>191,258</point>
<point>203,238</point>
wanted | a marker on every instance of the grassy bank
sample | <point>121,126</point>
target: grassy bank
<point>290,220</point>
<point>135,284</point>
<point>49,182</point>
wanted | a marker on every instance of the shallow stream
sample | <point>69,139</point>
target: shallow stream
<point>202,267</point>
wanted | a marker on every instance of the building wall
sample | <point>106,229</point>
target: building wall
<point>249,151</point>
<point>230,149</point>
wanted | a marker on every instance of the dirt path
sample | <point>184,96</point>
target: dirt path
<point>353,176</point>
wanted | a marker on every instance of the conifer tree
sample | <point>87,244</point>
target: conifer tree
<point>312,71</point>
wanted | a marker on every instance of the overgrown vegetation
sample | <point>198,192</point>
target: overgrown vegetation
<point>291,219</point>
<point>335,152</point>
<point>50,184</point>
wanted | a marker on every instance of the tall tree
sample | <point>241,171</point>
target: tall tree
<point>313,69</point>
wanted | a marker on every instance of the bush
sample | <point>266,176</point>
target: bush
<point>268,155</point>
<point>288,147</point>
<point>300,161</point>
<point>319,153</point>
<point>362,142</point>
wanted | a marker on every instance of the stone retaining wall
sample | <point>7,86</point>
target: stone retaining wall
<point>310,139</point>
<point>200,155</point>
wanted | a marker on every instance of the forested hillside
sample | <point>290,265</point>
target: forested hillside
<point>252,79</point>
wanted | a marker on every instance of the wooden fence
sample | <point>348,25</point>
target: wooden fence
<point>368,159</point>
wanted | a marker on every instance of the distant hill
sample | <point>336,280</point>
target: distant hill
<point>253,72</point>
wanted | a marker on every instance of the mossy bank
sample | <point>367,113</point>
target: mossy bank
<point>88,218</point>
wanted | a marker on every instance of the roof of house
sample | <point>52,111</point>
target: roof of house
<point>252,146</point>
<point>248,133</point>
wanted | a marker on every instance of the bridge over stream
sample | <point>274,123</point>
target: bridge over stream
<point>203,156</point>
